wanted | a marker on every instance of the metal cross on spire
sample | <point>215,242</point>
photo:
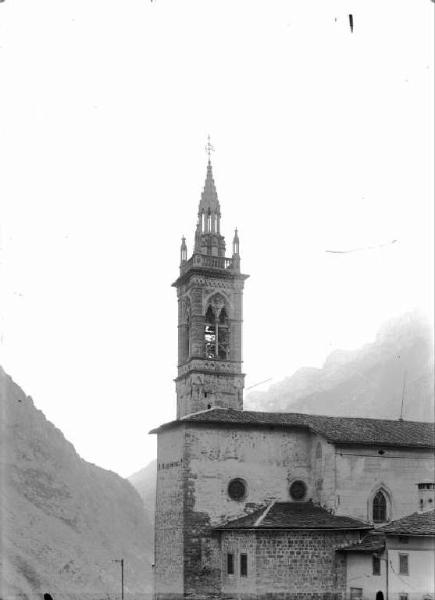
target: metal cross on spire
<point>209,148</point>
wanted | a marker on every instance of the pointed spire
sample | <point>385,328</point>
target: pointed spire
<point>208,238</point>
<point>236,242</point>
<point>183,250</point>
<point>209,197</point>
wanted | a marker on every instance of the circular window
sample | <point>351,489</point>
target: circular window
<point>298,489</point>
<point>237,489</point>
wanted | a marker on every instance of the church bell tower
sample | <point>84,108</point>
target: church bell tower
<point>210,292</point>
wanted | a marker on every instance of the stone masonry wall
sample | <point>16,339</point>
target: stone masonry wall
<point>287,565</point>
<point>169,517</point>
<point>202,382</point>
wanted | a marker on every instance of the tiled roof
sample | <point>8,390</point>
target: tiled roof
<point>415,524</point>
<point>346,430</point>
<point>294,515</point>
<point>371,543</point>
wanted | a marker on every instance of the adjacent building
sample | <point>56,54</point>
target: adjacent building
<point>397,561</point>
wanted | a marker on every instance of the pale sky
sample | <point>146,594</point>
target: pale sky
<point>324,141</point>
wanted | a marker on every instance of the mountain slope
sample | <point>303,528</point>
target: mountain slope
<point>368,382</point>
<point>63,521</point>
<point>144,481</point>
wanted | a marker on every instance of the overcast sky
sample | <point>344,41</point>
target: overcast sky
<point>323,141</point>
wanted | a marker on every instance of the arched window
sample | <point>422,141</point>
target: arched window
<point>185,329</point>
<point>223,335</point>
<point>379,507</point>
<point>210,333</point>
<point>216,334</point>
<point>187,336</point>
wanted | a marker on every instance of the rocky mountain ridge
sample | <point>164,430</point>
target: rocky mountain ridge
<point>368,382</point>
<point>63,521</point>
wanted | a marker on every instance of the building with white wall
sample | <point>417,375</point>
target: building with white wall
<point>394,563</point>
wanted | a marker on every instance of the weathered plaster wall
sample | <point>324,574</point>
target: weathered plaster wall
<point>361,471</point>
<point>323,469</point>
<point>360,575</point>
<point>268,461</point>
<point>419,582</point>
<point>421,556</point>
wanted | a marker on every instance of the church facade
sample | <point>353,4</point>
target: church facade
<point>253,504</point>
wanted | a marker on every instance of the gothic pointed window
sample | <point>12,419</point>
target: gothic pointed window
<point>216,334</point>
<point>223,338</point>
<point>185,330</point>
<point>187,338</point>
<point>210,333</point>
<point>379,507</point>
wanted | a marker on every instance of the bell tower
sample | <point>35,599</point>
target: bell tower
<point>210,292</point>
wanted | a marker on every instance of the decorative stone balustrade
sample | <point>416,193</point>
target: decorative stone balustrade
<point>208,262</point>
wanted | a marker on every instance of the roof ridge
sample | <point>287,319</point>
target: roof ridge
<point>265,513</point>
<point>200,412</point>
<point>335,417</point>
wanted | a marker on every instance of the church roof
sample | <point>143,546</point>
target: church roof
<point>294,515</point>
<point>415,524</point>
<point>344,430</point>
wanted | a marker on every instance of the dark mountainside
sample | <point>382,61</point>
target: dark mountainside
<point>367,382</point>
<point>63,521</point>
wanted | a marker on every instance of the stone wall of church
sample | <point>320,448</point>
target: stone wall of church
<point>361,471</point>
<point>267,460</point>
<point>287,565</point>
<point>169,516</point>
<point>197,462</point>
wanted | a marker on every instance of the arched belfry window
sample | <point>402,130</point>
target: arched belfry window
<point>223,335</point>
<point>187,337</point>
<point>185,329</point>
<point>210,333</point>
<point>216,333</point>
<point>379,507</point>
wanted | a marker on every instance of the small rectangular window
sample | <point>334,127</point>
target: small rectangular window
<point>230,563</point>
<point>403,539</point>
<point>356,593</point>
<point>403,596</point>
<point>376,563</point>
<point>403,564</point>
<point>243,565</point>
